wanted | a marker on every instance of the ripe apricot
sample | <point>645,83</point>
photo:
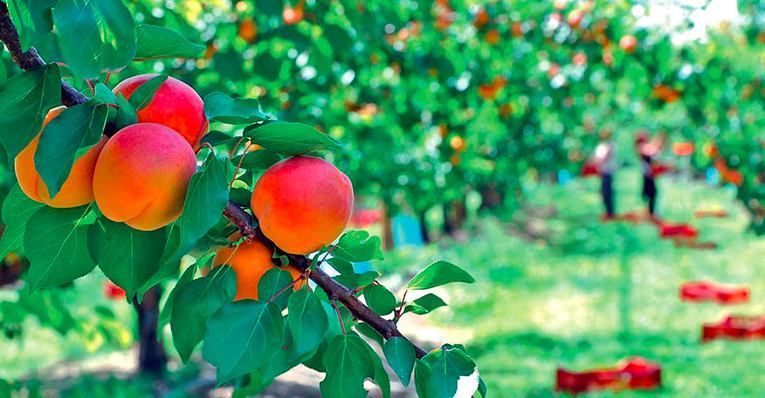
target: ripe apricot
<point>250,260</point>
<point>628,44</point>
<point>142,176</point>
<point>303,203</point>
<point>77,190</point>
<point>175,105</point>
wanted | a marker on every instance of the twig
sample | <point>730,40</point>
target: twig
<point>339,316</point>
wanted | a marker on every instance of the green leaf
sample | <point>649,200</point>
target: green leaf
<point>290,138</point>
<point>307,320</point>
<point>380,299</point>
<point>24,103</point>
<point>216,138</point>
<point>287,357</point>
<point>127,257</point>
<point>167,267</point>
<point>222,108</point>
<point>73,131</point>
<point>381,377</point>
<point>104,95</point>
<point>126,113</point>
<point>156,42</point>
<point>241,337</point>
<point>367,278</point>
<point>255,385</point>
<point>482,388</point>
<point>144,94</point>
<point>272,7</point>
<point>357,246</point>
<point>425,304</point>
<point>441,372</point>
<point>194,303</point>
<point>17,209</point>
<point>271,283</point>
<point>348,364</point>
<point>258,160</point>
<point>3,73</point>
<point>206,198</point>
<point>400,355</point>
<point>370,333</point>
<point>167,309</point>
<point>344,267</point>
<point>437,274</point>
<point>56,244</point>
<point>94,35</point>
<point>33,19</point>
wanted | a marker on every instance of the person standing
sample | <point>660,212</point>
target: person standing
<point>647,151</point>
<point>604,160</point>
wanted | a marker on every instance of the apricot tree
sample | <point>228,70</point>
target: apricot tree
<point>112,180</point>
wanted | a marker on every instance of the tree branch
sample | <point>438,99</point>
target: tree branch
<point>31,59</point>
<point>336,291</point>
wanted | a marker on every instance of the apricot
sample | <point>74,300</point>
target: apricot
<point>142,176</point>
<point>303,203</point>
<point>628,44</point>
<point>77,190</point>
<point>175,105</point>
<point>250,260</point>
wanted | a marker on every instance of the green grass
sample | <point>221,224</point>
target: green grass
<point>591,294</point>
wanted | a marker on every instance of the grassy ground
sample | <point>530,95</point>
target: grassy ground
<point>591,294</point>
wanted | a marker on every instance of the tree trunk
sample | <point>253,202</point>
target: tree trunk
<point>151,354</point>
<point>387,232</point>
<point>455,213</point>
<point>424,228</point>
<point>490,197</point>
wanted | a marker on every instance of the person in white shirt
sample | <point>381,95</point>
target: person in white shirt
<point>605,161</point>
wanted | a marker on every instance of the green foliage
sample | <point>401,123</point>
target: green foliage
<point>272,283</point>
<point>128,257</point>
<point>380,299</point>
<point>425,304</point>
<point>194,303</point>
<point>94,36</point>
<point>33,18</point>
<point>400,355</point>
<point>222,108</point>
<point>65,138</point>
<point>241,337</point>
<point>144,94</point>
<point>156,42</point>
<point>307,320</point>
<point>437,374</point>
<point>358,246</point>
<point>25,102</point>
<point>438,274</point>
<point>17,210</point>
<point>289,138</point>
<point>56,243</point>
<point>348,363</point>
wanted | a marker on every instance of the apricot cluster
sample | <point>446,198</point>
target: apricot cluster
<point>140,175</point>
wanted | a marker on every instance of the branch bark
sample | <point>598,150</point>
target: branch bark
<point>336,291</point>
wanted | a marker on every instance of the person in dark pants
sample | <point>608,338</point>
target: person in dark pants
<point>648,150</point>
<point>603,159</point>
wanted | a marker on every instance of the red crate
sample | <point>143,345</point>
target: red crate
<point>735,327</point>
<point>697,292</point>
<point>634,374</point>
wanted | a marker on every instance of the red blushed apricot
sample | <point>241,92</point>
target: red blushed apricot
<point>250,260</point>
<point>175,105</point>
<point>303,203</point>
<point>77,190</point>
<point>142,176</point>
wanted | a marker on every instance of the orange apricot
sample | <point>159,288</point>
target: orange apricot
<point>77,190</point>
<point>175,105</point>
<point>250,260</point>
<point>142,176</point>
<point>303,203</point>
